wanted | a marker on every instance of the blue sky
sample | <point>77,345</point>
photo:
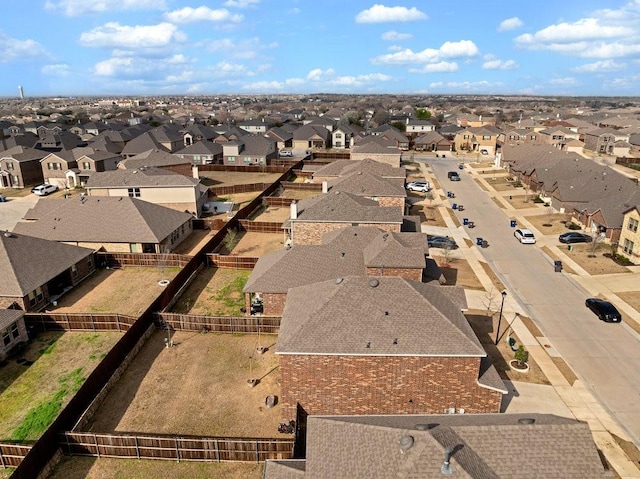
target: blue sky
<point>139,47</point>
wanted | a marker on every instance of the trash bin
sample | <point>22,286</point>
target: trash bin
<point>479,241</point>
<point>513,223</point>
<point>3,199</point>
<point>570,247</point>
<point>454,206</point>
<point>465,221</point>
<point>557,266</point>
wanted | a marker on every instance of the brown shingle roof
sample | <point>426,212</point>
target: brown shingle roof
<point>138,177</point>
<point>365,184</point>
<point>344,207</point>
<point>9,316</point>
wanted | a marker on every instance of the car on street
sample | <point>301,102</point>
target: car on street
<point>422,186</point>
<point>574,237</point>
<point>606,311</point>
<point>441,242</point>
<point>44,189</point>
<point>525,236</point>
<point>453,176</point>
<point>286,153</point>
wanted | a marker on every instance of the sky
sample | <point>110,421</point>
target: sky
<point>172,47</point>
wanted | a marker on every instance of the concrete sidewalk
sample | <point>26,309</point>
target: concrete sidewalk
<point>562,398</point>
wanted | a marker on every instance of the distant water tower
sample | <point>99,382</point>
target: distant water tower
<point>21,91</point>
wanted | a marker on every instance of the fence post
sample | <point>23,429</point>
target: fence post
<point>218,450</point>
<point>95,440</point>
<point>137,447</point>
<point>66,315</point>
<point>118,321</point>
<point>4,466</point>
<point>93,324</point>
<point>177,450</point>
<point>257,451</point>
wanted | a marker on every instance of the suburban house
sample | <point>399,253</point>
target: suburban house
<point>378,149</point>
<point>65,140</point>
<point>451,445</point>
<point>30,285</point>
<point>603,140</point>
<point>349,251</point>
<point>20,167</point>
<point>158,159</point>
<point>394,136</point>
<point>249,150</point>
<point>349,346</point>
<point>168,138</point>
<point>118,225</point>
<point>342,136</point>
<point>432,141</point>
<point>202,153</point>
<point>72,168</point>
<point>161,187</point>
<point>323,121</point>
<point>13,330</point>
<point>282,136</point>
<point>386,191</point>
<point>415,128</point>
<point>311,136</point>
<point>629,242</point>
<point>255,126</point>
<point>313,217</point>
<point>197,133</point>
<point>558,137</point>
<point>477,139</point>
<point>518,135</point>
<point>469,120</point>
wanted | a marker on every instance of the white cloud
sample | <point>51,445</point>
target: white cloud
<point>74,8</point>
<point>510,24</point>
<point>463,48</point>
<point>583,29</point>
<point>440,67</point>
<point>497,64</point>
<point>115,35</point>
<point>329,78</point>
<point>264,86</point>
<point>115,66</point>
<point>318,75</point>
<point>202,14</point>
<point>604,66</point>
<point>248,48</point>
<point>12,49</point>
<point>240,3</point>
<point>384,14</point>
<point>393,36</point>
<point>467,86</point>
<point>56,70</point>
<point>566,81</point>
<point>624,83</point>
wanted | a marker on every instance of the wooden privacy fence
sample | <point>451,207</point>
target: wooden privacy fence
<point>231,262</point>
<point>220,324</point>
<point>175,448</point>
<point>159,260</point>
<point>216,191</point>
<point>279,201</point>
<point>279,167</point>
<point>79,321</point>
<point>11,455</point>
<point>208,223</point>
<point>291,185</point>
<point>262,226</point>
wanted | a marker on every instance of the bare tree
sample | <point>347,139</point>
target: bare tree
<point>489,301</point>
<point>597,239</point>
<point>549,212</point>
<point>446,255</point>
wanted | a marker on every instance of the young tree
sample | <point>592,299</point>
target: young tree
<point>230,240</point>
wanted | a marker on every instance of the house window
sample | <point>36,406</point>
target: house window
<point>74,270</point>
<point>231,159</point>
<point>602,148</point>
<point>36,296</point>
<point>14,330</point>
<point>633,225</point>
<point>628,246</point>
<point>247,160</point>
<point>512,137</point>
<point>9,165</point>
<point>338,135</point>
<point>466,137</point>
<point>533,137</point>
<point>49,166</point>
<point>6,338</point>
<point>86,165</point>
<point>134,192</point>
<point>486,137</point>
<point>89,263</point>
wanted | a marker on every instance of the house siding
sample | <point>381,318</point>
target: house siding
<point>628,234</point>
<point>383,385</point>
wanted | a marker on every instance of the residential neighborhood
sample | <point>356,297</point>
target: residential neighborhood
<point>250,285</point>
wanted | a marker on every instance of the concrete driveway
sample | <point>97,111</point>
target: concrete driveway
<point>605,356</point>
<point>14,209</point>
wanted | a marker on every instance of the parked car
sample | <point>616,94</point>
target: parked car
<point>44,189</point>
<point>525,236</point>
<point>606,311</point>
<point>574,237</point>
<point>441,242</point>
<point>453,176</point>
<point>422,186</point>
<point>286,153</point>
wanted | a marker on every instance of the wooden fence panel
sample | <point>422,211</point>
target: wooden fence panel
<point>278,167</point>
<point>79,321</point>
<point>261,226</point>
<point>11,455</point>
<point>279,201</point>
<point>290,185</point>
<point>164,260</point>
<point>215,191</point>
<point>219,324</point>
<point>231,262</point>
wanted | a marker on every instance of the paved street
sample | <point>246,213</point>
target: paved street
<point>605,356</point>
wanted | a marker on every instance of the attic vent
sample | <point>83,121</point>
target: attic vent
<point>374,283</point>
<point>395,341</point>
<point>342,254</point>
<point>368,345</point>
<point>406,443</point>
<point>339,280</point>
<point>526,420</point>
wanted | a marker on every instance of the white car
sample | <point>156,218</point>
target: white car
<point>525,236</point>
<point>286,154</point>
<point>44,189</point>
<point>422,186</point>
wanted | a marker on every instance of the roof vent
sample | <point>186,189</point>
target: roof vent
<point>446,465</point>
<point>342,254</point>
<point>424,427</point>
<point>374,283</point>
<point>395,341</point>
<point>7,234</point>
<point>339,280</point>
<point>368,345</point>
<point>405,443</point>
<point>526,420</point>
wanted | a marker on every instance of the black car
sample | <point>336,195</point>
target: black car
<point>604,310</point>
<point>441,242</point>
<point>574,237</point>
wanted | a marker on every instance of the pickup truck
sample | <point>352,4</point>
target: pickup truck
<point>453,176</point>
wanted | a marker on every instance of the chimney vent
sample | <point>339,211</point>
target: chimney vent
<point>446,465</point>
<point>294,210</point>
<point>406,443</point>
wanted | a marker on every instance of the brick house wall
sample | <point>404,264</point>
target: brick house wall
<point>383,385</point>
<point>414,274</point>
<point>311,232</point>
<point>22,336</point>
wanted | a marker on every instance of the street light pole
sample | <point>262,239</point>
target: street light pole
<point>504,295</point>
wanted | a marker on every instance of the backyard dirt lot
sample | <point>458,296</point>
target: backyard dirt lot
<point>197,387</point>
<point>230,178</point>
<point>194,243</point>
<point>257,244</point>
<point>274,213</point>
<point>214,291</point>
<point>458,273</point>
<point>521,201</point>
<point>125,291</point>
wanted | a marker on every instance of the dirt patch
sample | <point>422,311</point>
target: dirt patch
<point>214,291</point>
<point>592,259</point>
<point>481,184</point>
<point>565,369</point>
<point>499,183</point>
<point>549,224</point>
<point>632,298</point>
<point>274,214</point>
<point>482,165</point>
<point>194,243</point>
<point>126,291</point>
<point>458,273</point>
<point>432,216</point>
<point>549,252</point>
<point>257,244</point>
<point>485,328</point>
<point>239,200</point>
<point>76,467</point>
<point>299,194</point>
<point>231,178</point>
<point>497,284</point>
<point>60,363</point>
<point>198,387</point>
<point>520,202</point>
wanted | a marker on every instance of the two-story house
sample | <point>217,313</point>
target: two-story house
<point>249,150</point>
<point>20,167</point>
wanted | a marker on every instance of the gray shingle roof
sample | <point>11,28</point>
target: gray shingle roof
<point>9,316</point>
<point>344,167</point>
<point>484,446</point>
<point>139,177</point>
<point>102,219</point>
<point>153,157</point>
<point>343,207</point>
<point>365,184</point>
<point>362,315</point>
<point>21,274</point>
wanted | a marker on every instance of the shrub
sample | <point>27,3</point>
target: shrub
<point>522,356</point>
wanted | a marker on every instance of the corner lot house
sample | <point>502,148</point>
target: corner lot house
<point>30,285</point>
<point>629,243</point>
<point>12,329</point>
<point>114,224</point>
<point>20,167</point>
<point>381,345</point>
